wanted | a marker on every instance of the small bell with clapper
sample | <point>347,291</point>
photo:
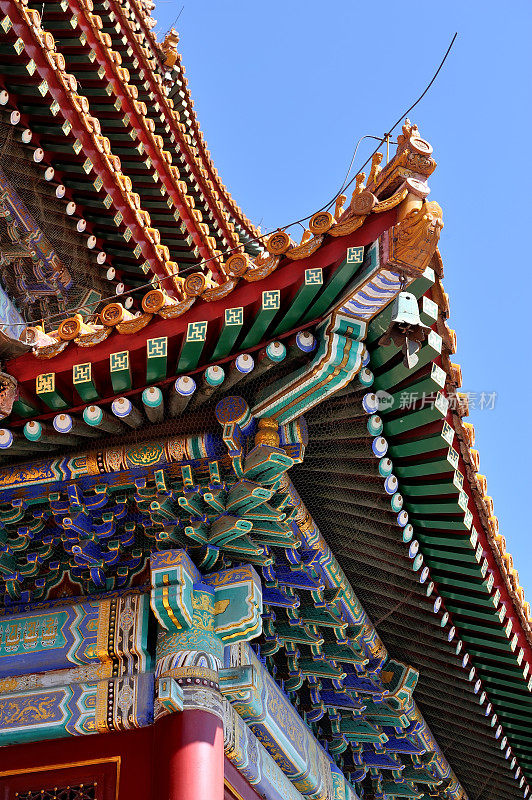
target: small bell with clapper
<point>405,329</point>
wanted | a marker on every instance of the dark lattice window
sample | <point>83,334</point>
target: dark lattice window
<point>84,791</point>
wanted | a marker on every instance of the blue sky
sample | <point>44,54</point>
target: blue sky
<point>283,90</point>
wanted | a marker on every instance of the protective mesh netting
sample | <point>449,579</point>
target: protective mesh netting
<point>198,418</point>
<point>38,196</point>
<point>343,491</point>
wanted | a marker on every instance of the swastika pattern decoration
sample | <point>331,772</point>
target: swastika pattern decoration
<point>45,383</point>
<point>196,331</point>
<point>314,276</point>
<point>355,255</point>
<point>157,348</point>
<point>81,373</point>
<point>234,316</point>
<point>119,361</point>
<point>271,299</point>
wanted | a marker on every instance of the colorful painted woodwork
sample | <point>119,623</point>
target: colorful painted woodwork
<point>94,664</point>
<point>198,615</point>
<point>180,595</point>
<point>258,700</point>
<point>80,708</point>
<point>89,633</point>
<point>25,233</point>
<point>239,505</point>
<point>11,320</point>
<point>253,760</point>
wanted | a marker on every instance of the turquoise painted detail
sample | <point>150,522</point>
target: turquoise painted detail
<point>198,614</point>
<point>340,353</point>
<point>337,360</point>
<point>251,758</point>
<point>256,697</point>
<point>73,635</point>
<point>76,709</point>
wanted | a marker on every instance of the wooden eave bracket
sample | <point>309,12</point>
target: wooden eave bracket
<point>70,112</point>
<point>159,162</point>
<point>184,147</point>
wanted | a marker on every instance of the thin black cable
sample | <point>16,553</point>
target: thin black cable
<point>421,96</point>
<point>262,236</point>
<point>386,135</point>
<point>344,183</point>
<point>407,112</point>
<point>176,19</point>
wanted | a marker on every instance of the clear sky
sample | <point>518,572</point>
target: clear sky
<point>283,90</point>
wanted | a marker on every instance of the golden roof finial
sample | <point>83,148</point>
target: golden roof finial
<point>169,47</point>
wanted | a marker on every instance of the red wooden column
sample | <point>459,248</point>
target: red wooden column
<point>189,756</point>
<point>197,615</point>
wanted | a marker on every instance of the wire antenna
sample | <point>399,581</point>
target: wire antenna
<point>263,236</point>
<point>390,130</point>
<point>177,18</point>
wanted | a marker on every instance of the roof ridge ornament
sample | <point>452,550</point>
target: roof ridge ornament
<point>169,47</point>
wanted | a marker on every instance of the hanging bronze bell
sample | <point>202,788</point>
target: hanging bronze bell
<point>405,329</point>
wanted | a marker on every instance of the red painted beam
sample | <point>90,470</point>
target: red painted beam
<point>499,580</point>
<point>161,166</point>
<point>184,146</point>
<point>34,49</point>
<point>26,368</point>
